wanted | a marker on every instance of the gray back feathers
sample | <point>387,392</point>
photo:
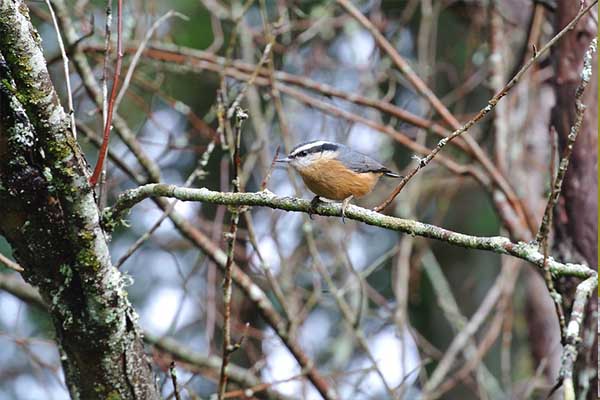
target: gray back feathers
<point>359,162</point>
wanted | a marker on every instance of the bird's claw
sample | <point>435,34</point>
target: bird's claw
<point>313,204</point>
<point>344,206</point>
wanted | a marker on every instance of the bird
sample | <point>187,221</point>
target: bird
<point>334,171</point>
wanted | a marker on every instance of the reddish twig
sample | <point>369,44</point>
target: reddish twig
<point>263,184</point>
<point>113,96</point>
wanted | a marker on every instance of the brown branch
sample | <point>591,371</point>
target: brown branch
<point>113,96</point>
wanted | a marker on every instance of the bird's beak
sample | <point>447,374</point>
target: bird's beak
<point>283,160</point>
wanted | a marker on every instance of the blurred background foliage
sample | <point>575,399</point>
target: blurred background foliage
<point>175,287</point>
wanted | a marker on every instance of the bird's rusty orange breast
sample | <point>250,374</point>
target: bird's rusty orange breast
<point>329,178</point>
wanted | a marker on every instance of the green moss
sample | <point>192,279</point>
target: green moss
<point>114,395</point>
<point>86,235</point>
<point>87,258</point>
<point>8,84</point>
<point>66,272</point>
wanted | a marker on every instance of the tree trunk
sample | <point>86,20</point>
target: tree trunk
<point>576,217</point>
<point>50,218</point>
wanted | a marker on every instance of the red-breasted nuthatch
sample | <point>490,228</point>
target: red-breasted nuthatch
<point>334,171</point>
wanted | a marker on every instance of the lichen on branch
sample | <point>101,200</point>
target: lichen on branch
<point>496,244</point>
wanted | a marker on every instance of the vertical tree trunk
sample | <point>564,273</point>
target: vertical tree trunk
<point>50,218</point>
<point>576,218</point>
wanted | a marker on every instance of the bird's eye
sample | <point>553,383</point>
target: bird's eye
<point>302,154</point>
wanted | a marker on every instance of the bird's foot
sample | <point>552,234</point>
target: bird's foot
<point>344,206</point>
<point>313,205</point>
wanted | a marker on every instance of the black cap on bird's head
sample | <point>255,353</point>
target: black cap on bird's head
<point>304,149</point>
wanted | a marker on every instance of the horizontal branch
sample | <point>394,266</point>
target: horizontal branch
<point>496,244</point>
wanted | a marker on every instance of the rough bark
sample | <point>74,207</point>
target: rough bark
<point>49,216</point>
<point>576,223</point>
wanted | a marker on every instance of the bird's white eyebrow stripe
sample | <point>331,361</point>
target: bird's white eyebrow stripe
<point>310,145</point>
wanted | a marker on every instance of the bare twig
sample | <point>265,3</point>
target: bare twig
<point>449,306</point>
<point>236,103</point>
<point>348,316</point>
<point>71,110</point>
<point>140,50</point>
<point>542,236</point>
<point>113,95</point>
<point>173,374</point>
<point>586,75</point>
<point>504,282</point>
<point>228,347</point>
<point>570,350</point>
<point>10,263</point>
<point>265,181</point>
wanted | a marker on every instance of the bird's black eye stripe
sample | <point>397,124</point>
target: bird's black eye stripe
<point>315,149</point>
<point>329,146</point>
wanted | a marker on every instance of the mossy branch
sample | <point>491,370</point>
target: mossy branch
<point>496,244</point>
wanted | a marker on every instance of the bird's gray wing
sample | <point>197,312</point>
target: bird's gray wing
<point>359,162</point>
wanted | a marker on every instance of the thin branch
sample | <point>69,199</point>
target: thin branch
<point>546,225</point>
<point>201,59</point>
<point>586,74</point>
<point>113,95</point>
<point>505,280</point>
<point>140,50</point>
<point>228,347</point>
<point>570,351</point>
<point>65,59</point>
<point>238,99</point>
<point>10,263</point>
<point>173,374</point>
<point>449,307</point>
<point>496,244</point>
<point>484,111</point>
<point>347,315</point>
